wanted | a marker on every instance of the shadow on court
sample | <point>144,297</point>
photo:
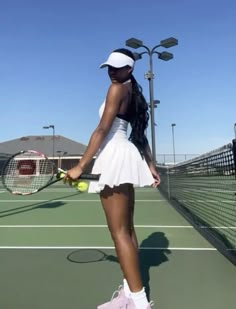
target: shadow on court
<point>149,256</point>
<point>152,257</point>
<point>53,203</point>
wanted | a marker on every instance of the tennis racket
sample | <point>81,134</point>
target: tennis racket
<point>90,256</point>
<point>28,172</point>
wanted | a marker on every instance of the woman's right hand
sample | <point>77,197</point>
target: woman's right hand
<point>72,174</point>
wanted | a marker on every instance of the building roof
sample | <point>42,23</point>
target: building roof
<point>44,143</point>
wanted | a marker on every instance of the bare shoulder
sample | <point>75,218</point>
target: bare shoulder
<point>117,89</point>
<point>117,95</point>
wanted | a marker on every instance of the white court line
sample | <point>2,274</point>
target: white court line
<point>146,201</point>
<point>105,226</point>
<point>67,200</point>
<point>72,190</point>
<point>208,201</point>
<point>104,248</point>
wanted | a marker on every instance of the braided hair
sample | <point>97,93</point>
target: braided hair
<point>137,111</point>
<point>139,116</point>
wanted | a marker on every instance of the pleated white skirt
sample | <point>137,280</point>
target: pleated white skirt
<point>119,161</point>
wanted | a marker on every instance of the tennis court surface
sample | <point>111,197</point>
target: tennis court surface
<point>45,264</point>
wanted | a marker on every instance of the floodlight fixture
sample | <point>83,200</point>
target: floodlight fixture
<point>48,127</point>
<point>155,103</point>
<point>166,56</point>
<point>137,56</point>
<point>134,43</point>
<point>169,42</point>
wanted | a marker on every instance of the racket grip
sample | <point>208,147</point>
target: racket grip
<point>84,176</point>
<point>89,176</point>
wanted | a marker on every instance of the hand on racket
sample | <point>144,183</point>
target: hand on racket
<point>28,172</point>
<point>72,174</point>
<point>78,183</point>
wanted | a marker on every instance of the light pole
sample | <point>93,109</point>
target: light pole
<point>60,154</point>
<point>135,43</point>
<point>173,139</point>
<point>235,130</point>
<point>51,126</point>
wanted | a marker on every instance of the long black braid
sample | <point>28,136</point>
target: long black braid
<point>138,110</point>
<point>139,116</point>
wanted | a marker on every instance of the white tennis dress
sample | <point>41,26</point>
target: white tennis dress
<point>118,160</point>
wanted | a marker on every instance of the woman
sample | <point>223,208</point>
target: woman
<point>123,164</point>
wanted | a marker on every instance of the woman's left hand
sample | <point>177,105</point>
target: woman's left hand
<point>156,176</point>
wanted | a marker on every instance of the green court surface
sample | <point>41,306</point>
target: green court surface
<point>39,233</point>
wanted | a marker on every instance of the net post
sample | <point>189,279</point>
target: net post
<point>168,183</point>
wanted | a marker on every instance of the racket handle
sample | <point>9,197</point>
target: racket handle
<point>89,176</point>
<point>84,176</point>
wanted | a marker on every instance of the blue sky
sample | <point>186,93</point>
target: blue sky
<point>50,53</point>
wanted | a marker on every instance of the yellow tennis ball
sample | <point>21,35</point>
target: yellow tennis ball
<point>81,186</point>
<point>60,175</point>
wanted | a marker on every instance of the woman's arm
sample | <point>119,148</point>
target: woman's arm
<point>147,153</point>
<point>152,166</point>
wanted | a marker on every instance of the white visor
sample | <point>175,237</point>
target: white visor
<point>118,60</point>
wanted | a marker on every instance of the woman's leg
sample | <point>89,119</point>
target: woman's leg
<point>131,213</point>
<point>132,233</point>
<point>118,204</point>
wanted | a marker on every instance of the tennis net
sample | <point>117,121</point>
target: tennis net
<point>204,190</point>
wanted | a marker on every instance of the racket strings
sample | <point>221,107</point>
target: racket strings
<point>27,172</point>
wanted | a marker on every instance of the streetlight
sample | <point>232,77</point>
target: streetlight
<point>51,126</point>
<point>173,139</point>
<point>235,130</point>
<point>135,43</point>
